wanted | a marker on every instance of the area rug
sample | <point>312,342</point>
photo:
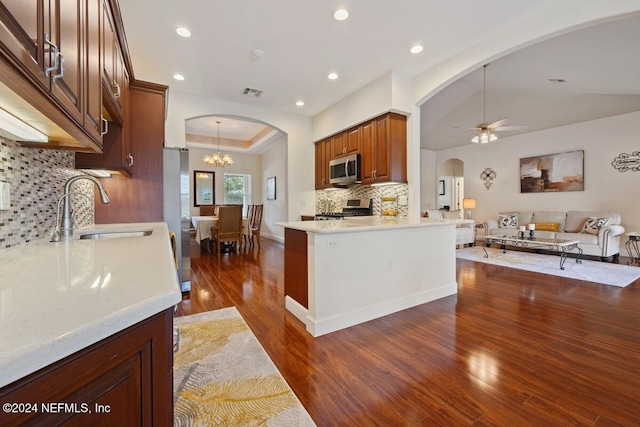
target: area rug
<point>223,377</point>
<point>590,271</point>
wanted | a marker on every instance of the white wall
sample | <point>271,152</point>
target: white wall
<point>242,163</point>
<point>300,179</point>
<point>428,180</point>
<point>274,163</point>
<point>606,188</point>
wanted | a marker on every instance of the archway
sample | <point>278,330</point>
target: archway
<point>259,152</point>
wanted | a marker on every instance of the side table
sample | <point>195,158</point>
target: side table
<point>632,247</point>
<point>479,225</point>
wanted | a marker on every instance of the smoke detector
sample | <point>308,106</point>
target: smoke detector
<point>257,54</point>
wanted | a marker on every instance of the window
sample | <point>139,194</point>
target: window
<point>237,190</point>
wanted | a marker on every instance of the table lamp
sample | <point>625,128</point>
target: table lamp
<point>468,205</point>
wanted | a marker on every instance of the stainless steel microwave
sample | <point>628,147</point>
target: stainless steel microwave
<point>345,170</point>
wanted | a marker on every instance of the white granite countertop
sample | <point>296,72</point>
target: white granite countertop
<point>368,223</point>
<point>58,298</point>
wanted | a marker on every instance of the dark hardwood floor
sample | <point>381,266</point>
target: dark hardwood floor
<point>512,348</point>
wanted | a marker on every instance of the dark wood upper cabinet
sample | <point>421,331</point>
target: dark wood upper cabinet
<point>345,143</point>
<point>323,155</point>
<point>22,33</point>
<point>113,74</point>
<point>66,35</point>
<point>93,66</point>
<point>384,154</point>
<point>47,58</point>
<point>382,144</point>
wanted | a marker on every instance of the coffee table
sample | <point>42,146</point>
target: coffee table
<point>562,246</point>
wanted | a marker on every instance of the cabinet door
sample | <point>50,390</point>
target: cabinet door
<point>93,71</point>
<point>367,161</point>
<point>337,146</point>
<point>66,34</point>
<point>323,151</point>
<point>118,84</point>
<point>22,32</point>
<point>353,141</point>
<point>319,150</point>
<point>381,150</point>
<point>111,66</point>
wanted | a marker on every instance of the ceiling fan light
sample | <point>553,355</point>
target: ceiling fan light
<point>475,139</point>
<point>492,137</point>
<point>484,138</point>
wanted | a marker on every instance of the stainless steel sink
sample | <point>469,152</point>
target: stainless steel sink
<point>115,234</point>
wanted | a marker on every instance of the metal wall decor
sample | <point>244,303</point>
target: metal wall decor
<point>488,175</point>
<point>627,162</point>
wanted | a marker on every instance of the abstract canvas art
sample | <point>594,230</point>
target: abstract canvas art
<point>552,172</point>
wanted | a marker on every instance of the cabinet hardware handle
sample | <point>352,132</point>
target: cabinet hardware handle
<point>130,157</point>
<point>55,51</point>
<point>61,73</point>
<point>117,86</point>
<point>106,127</point>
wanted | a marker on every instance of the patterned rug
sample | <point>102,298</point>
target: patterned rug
<point>223,377</point>
<point>591,271</point>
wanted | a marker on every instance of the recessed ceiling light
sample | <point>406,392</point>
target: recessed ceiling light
<point>341,15</point>
<point>332,76</point>
<point>183,32</point>
<point>300,103</point>
<point>178,77</point>
<point>416,49</point>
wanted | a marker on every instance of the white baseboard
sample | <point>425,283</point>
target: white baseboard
<point>317,327</point>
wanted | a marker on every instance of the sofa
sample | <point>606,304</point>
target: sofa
<point>465,229</point>
<point>597,231</point>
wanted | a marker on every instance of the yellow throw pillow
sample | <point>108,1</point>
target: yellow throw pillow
<point>547,226</point>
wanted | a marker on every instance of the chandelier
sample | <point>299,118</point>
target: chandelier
<point>216,160</point>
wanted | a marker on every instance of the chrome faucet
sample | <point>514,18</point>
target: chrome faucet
<point>67,226</point>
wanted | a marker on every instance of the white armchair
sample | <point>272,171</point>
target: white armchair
<point>465,228</point>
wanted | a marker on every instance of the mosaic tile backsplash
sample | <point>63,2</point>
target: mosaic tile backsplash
<point>37,179</point>
<point>330,200</point>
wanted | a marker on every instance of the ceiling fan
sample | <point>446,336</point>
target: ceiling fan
<point>485,132</point>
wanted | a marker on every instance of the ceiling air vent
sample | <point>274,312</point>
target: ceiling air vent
<point>252,92</point>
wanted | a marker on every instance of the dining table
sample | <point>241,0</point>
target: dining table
<point>203,225</point>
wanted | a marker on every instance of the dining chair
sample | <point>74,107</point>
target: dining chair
<point>255,223</point>
<point>246,231</point>
<point>228,228</point>
<point>207,210</point>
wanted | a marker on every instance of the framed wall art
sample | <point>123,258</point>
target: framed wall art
<point>271,188</point>
<point>203,189</point>
<point>552,172</point>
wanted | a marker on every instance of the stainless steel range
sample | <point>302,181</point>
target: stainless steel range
<point>350,208</point>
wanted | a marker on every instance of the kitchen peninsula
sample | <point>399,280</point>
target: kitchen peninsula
<point>89,321</point>
<point>345,272</point>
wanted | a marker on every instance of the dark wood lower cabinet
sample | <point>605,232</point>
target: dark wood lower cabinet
<point>123,380</point>
<point>296,282</point>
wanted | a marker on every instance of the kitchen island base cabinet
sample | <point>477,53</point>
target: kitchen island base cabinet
<point>355,272</point>
<point>123,380</point>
